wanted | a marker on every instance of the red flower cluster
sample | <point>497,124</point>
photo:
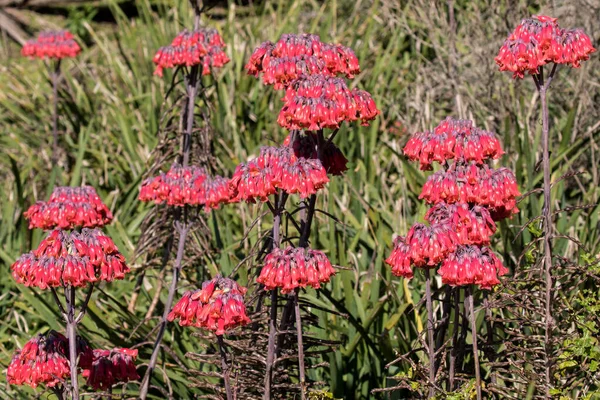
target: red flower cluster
<point>60,44</point>
<point>110,367</point>
<point>494,189</point>
<point>320,101</point>
<point>201,47</point>
<point>276,168</point>
<point>467,197</point>
<point>473,225</point>
<point>44,360</point>
<point>307,145</point>
<point>68,208</point>
<point>291,268</point>
<point>75,259</point>
<point>472,265</point>
<point>182,186</point>
<point>453,139</point>
<point>294,56</point>
<point>538,41</point>
<point>218,306</point>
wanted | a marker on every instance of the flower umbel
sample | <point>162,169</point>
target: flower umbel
<point>218,306</point>
<point>51,44</point>
<point>291,268</point>
<point>68,208</point>
<point>110,367</point>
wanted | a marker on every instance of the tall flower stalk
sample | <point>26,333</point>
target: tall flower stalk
<point>535,43</point>
<point>53,46</point>
<point>315,99</point>
<point>467,197</point>
<point>185,186</point>
<point>75,254</point>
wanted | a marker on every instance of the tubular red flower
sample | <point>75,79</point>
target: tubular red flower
<point>538,41</point>
<point>453,139</point>
<point>71,259</point>
<point>276,168</point>
<point>68,208</point>
<point>320,101</point>
<point>185,186</point>
<point>44,360</point>
<point>51,44</point>
<point>218,306</point>
<point>110,367</point>
<point>472,224</point>
<point>291,268</point>
<point>296,55</point>
<point>200,47</point>
<point>429,245</point>
<point>400,260</point>
<point>494,189</point>
<point>472,265</point>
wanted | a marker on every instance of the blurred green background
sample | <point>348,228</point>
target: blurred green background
<point>421,60</point>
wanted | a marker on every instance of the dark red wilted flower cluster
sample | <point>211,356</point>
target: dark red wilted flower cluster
<point>306,144</point>
<point>110,367</point>
<point>467,197</point>
<point>44,360</point>
<point>291,268</point>
<point>320,101</point>
<point>51,44</point>
<point>71,259</point>
<point>218,306</point>
<point>453,139</point>
<point>68,208</point>
<point>276,168</point>
<point>538,41</point>
<point>200,47</point>
<point>294,56</point>
<point>182,186</point>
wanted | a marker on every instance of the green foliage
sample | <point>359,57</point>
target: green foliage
<point>112,107</point>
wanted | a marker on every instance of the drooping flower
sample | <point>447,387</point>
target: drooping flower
<point>291,268</point>
<point>68,208</point>
<point>200,47</point>
<point>472,265</point>
<point>276,168</point>
<point>453,139</point>
<point>71,259</point>
<point>182,186</point>
<point>399,259</point>
<point>306,144</point>
<point>44,360</point>
<point>218,306</point>
<point>110,367</point>
<point>494,189</point>
<point>320,101</point>
<point>293,56</point>
<point>472,224</point>
<point>428,245</point>
<point>51,44</point>
<point>538,41</point>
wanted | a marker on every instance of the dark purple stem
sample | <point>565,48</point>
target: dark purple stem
<point>183,230</point>
<point>547,217</point>
<point>430,341</point>
<point>59,391</point>
<point>301,369</point>
<point>192,89</point>
<point>224,367</point>
<point>55,76</point>
<point>454,352</point>
<point>72,337</point>
<point>469,300</point>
